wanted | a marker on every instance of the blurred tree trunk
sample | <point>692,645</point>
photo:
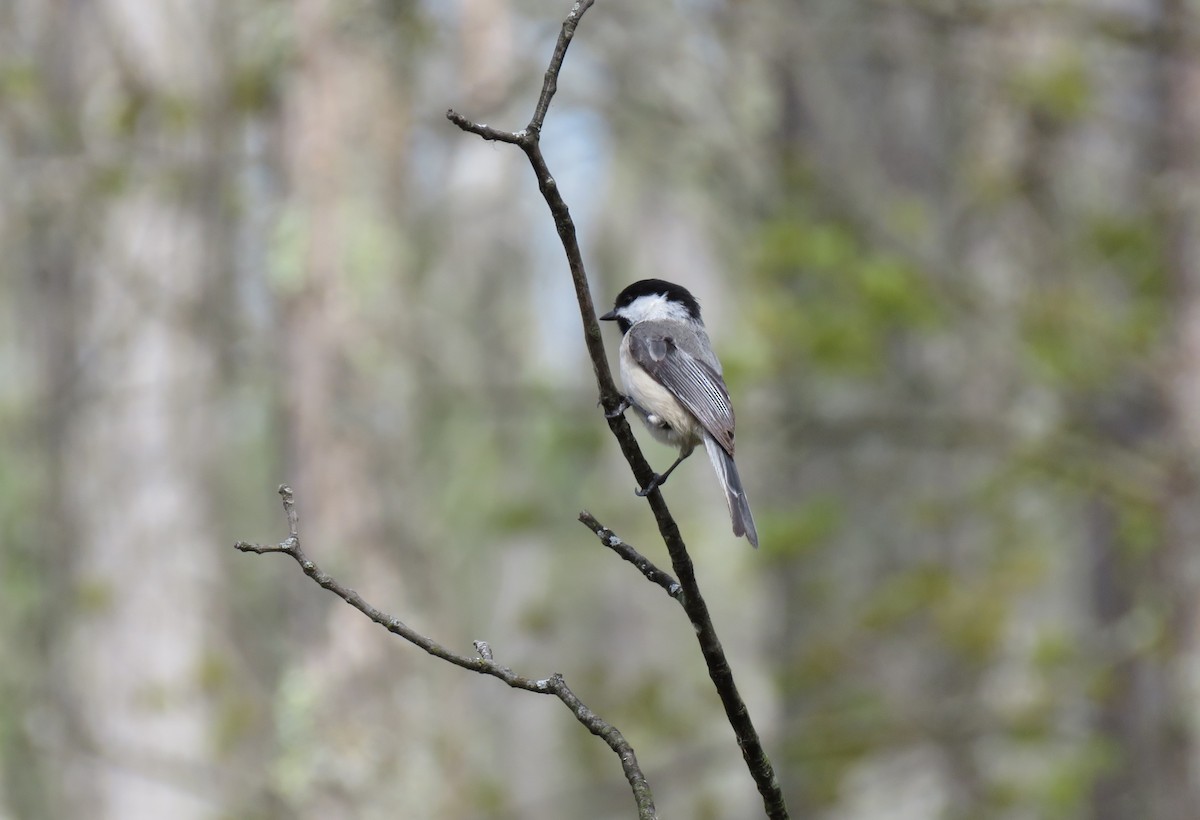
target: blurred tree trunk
<point>1147,705</point>
<point>346,126</point>
<point>1131,699</point>
<point>145,610</point>
<point>326,456</point>
<point>1178,570</point>
<point>327,459</point>
<point>344,130</point>
<point>44,214</point>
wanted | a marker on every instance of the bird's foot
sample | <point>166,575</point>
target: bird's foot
<point>658,480</point>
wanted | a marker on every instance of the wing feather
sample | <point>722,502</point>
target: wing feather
<point>696,384</point>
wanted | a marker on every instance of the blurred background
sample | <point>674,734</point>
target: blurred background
<point>948,250</point>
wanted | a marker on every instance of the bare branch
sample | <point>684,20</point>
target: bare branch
<point>483,663</point>
<point>550,83</point>
<point>610,399</point>
<point>611,540</point>
<point>529,135</point>
<point>486,131</point>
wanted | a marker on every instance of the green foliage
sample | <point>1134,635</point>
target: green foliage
<point>1141,527</point>
<point>254,88</point>
<point>94,596</point>
<point>852,723</point>
<point>653,703</point>
<point>833,301</point>
<point>285,267</point>
<point>1053,650</point>
<point>1080,329</point>
<point>22,584</point>
<point>238,719</point>
<point>801,529</point>
<point>906,594</point>
<point>19,82</point>
<point>1066,787</point>
<point>372,252</point>
<point>971,619</point>
<point>490,797</point>
<point>538,618</point>
<point>1059,90</point>
<point>213,673</point>
<point>517,479</point>
<point>819,663</point>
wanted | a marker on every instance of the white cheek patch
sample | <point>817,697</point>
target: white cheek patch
<point>642,308</point>
<point>653,307</point>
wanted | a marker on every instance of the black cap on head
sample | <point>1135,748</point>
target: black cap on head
<point>652,287</point>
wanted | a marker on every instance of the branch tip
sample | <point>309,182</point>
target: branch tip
<point>486,131</point>
<point>644,565</point>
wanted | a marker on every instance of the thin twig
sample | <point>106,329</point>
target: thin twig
<point>550,82</point>
<point>610,399</point>
<point>611,540</point>
<point>485,131</point>
<point>483,662</point>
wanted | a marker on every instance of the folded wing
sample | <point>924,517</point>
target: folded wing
<point>698,386</point>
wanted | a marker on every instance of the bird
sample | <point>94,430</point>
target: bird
<point>673,381</point>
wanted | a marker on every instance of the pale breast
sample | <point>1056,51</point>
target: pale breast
<point>657,405</point>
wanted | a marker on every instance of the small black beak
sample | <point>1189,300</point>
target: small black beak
<point>610,316</point>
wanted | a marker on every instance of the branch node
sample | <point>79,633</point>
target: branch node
<point>554,683</point>
<point>485,651</point>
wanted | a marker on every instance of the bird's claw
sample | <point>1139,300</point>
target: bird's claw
<point>655,482</point>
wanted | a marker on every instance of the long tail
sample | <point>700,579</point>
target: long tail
<point>735,496</point>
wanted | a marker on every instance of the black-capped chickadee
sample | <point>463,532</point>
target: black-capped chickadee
<point>674,382</point>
